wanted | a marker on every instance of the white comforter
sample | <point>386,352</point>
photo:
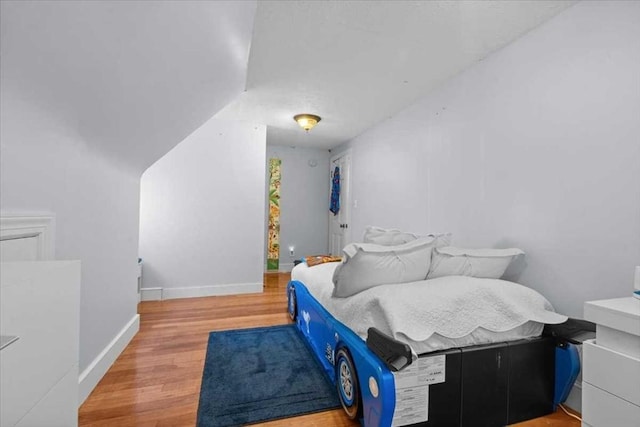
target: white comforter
<point>437,313</point>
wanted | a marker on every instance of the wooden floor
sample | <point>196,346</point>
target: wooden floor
<point>156,380</point>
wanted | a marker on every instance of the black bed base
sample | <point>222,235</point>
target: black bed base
<point>494,385</point>
<point>487,385</point>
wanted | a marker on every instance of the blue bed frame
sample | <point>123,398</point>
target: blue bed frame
<point>375,382</point>
<point>326,336</point>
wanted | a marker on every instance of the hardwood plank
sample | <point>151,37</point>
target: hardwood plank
<point>156,380</point>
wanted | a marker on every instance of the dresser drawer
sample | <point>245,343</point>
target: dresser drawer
<point>39,302</point>
<point>609,370</point>
<point>602,409</point>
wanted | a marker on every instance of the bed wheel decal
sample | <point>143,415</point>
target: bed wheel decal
<point>292,304</point>
<point>347,384</point>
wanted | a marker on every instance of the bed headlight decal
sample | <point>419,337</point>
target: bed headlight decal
<point>307,318</point>
<point>373,387</point>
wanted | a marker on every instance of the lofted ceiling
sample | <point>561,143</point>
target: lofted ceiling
<point>356,63</point>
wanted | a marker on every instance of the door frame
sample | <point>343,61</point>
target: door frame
<point>344,191</point>
<point>39,227</point>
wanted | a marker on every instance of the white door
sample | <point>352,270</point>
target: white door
<point>339,231</point>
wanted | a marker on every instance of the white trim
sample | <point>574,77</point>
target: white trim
<point>574,400</point>
<point>213,290</point>
<point>27,225</point>
<point>150,294</point>
<point>90,377</point>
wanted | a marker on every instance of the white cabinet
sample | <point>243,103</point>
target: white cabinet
<point>611,371</point>
<point>39,303</point>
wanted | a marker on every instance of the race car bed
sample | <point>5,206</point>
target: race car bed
<point>449,351</point>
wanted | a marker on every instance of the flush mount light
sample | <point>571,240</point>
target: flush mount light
<point>306,121</point>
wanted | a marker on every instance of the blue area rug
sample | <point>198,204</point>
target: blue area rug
<point>261,374</point>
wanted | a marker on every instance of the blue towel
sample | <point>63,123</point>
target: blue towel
<point>334,206</point>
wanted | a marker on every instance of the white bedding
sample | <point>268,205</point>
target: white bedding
<point>435,314</point>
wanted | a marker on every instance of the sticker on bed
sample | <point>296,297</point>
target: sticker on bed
<point>328,353</point>
<point>412,397</point>
<point>412,389</point>
<point>432,369</point>
<point>424,371</point>
<point>412,406</point>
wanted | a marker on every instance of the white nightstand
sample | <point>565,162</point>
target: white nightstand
<point>611,364</point>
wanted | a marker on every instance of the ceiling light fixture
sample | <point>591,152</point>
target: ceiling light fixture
<point>307,121</point>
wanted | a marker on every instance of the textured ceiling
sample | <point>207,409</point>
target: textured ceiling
<point>356,63</point>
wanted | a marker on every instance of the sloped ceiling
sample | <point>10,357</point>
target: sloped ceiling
<point>356,63</point>
<point>136,77</point>
<point>133,77</point>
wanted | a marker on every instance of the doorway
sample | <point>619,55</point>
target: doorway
<point>340,219</point>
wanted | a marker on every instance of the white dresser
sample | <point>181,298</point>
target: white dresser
<point>611,364</point>
<point>39,304</point>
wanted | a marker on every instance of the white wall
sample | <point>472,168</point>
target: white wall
<point>91,94</point>
<point>304,201</point>
<point>538,147</point>
<point>47,167</point>
<point>202,213</point>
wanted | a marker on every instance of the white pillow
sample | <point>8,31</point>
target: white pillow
<point>366,265</point>
<point>483,263</point>
<point>393,237</point>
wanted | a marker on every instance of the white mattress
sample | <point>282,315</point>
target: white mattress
<point>435,314</point>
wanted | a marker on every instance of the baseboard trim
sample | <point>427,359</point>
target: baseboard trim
<point>150,294</point>
<point>574,400</point>
<point>91,376</point>
<point>213,290</point>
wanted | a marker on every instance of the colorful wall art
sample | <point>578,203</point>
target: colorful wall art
<point>273,239</point>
